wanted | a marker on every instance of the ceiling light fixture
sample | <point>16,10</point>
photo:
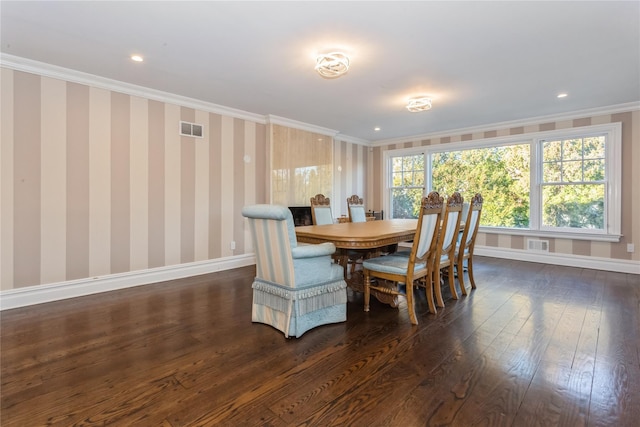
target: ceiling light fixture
<point>332,65</point>
<point>421,103</point>
<point>137,58</point>
<point>562,95</point>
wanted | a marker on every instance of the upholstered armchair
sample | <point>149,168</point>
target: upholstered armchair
<point>296,288</point>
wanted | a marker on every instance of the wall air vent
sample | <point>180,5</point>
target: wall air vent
<point>538,245</point>
<point>191,129</point>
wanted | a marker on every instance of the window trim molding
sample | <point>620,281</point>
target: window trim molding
<point>613,216</point>
<point>386,171</point>
<point>613,178</point>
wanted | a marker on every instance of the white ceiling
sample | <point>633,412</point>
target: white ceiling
<point>482,62</point>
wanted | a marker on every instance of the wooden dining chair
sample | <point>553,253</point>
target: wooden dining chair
<point>445,256</point>
<point>321,215</point>
<point>321,210</point>
<point>355,206</point>
<point>467,242</point>
<point>419,264</point>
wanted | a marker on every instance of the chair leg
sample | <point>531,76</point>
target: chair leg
<point>452,281</point>
<point>460,269</point>
<point>410,303</point>
<point>470,271</point>
<point>429,289</point>
<point>436,285</point>
<point>367,289</point>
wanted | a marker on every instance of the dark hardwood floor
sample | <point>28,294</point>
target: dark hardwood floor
<point>533,345</point>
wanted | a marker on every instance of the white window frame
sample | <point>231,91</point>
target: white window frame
<point>388,173</point>
<point>613,178</point>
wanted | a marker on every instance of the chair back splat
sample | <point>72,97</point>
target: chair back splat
<point>321,210</point>
<point>445,256</point>
<point>296,288</point>
<point>398,269</point>
<point>355,206</point>
<point>467,242</point>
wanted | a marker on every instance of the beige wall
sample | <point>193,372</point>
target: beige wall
<point>630,184</point>
<point>96,182</point>
<point>293,150</point>
<point>351,175</point>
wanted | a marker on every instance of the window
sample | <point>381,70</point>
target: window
<point>407,185</point>
<point>502,173</point>
<point>573,183</point>
<point>563,183</point>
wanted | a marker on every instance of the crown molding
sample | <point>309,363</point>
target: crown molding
<point>18,63</point>
<point>611,109</point>
<point>53,71</point>
<point>353,140</point>
<point>283,121</point>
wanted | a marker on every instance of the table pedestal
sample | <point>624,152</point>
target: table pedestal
<point>355,280</point>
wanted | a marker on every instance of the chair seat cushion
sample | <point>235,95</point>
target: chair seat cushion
<point>403,252</point>
<point>394,264</point>
<point>445,259</point>
<point>466,251</point>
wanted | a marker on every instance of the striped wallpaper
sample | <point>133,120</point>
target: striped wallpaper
<point>351,175</point>
<point>96,182</point>
<point>630,185</point>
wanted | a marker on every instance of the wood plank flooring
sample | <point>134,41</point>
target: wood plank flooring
<point>534,345</point>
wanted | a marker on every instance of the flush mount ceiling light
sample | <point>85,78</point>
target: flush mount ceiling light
<point>421,103</point>
<point>332,65</point>
<point>137,58</point>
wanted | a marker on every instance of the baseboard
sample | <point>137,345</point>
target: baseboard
<point>595,263</point>
<point>31,295</point>
<point>568,260</point>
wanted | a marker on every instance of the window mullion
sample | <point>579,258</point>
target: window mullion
<point>428,181</point>
<point>535,197</point>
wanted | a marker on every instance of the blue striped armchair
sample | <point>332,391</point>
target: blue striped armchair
<point>296,288</point>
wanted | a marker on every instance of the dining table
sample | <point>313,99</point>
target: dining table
<point>370,237</point>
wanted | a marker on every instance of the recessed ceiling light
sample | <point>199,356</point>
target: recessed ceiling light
<point>420,103</point>
<point>377,129</point>
<point>563,95</point>
<point>137,58</point>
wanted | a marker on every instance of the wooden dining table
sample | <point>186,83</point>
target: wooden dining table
<point>370,237</point>
<point>359,235</point>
